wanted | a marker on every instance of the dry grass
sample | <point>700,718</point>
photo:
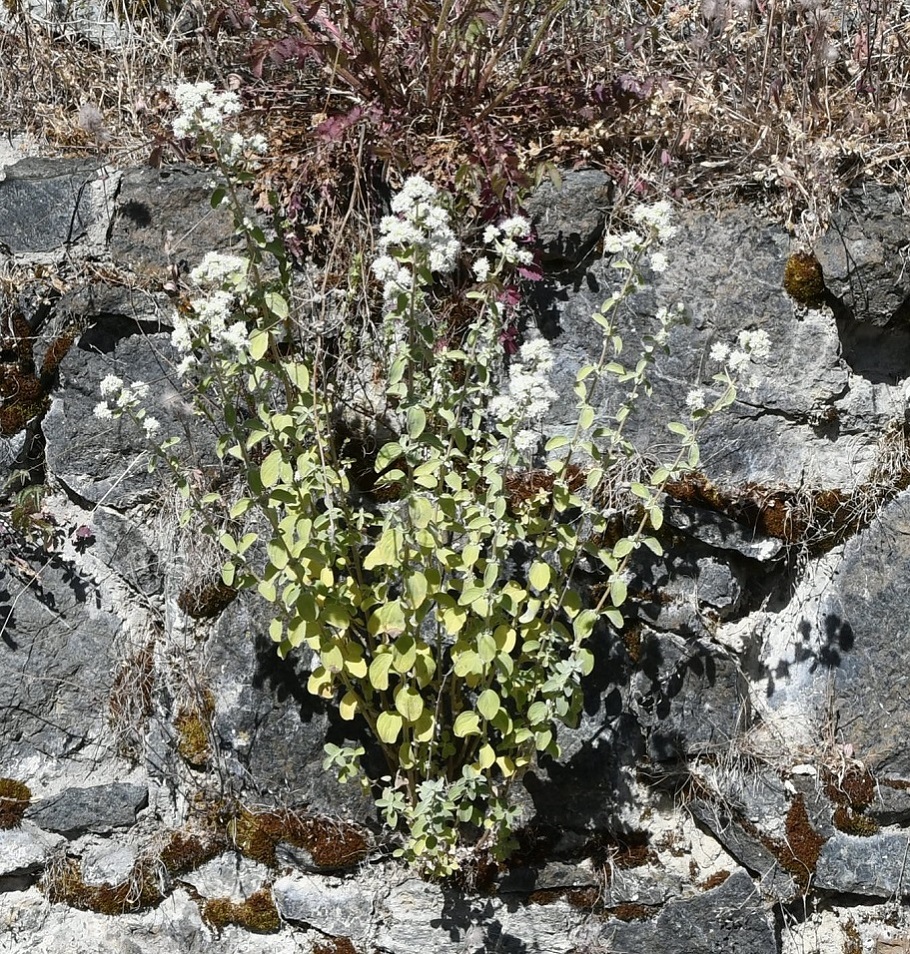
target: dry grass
<point>785,101</point>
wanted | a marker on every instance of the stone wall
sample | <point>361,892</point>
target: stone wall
<point>740,779</point>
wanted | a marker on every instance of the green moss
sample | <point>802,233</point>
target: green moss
<point>14,799</point>
<point>257,914</point>
<point>331,844</point>
<point>804,280</point>
<point>193,725</point>
<point>185,851</point>
<point>64,884</point>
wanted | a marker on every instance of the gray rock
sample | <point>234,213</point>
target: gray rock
<point>416,917</point>
<point>892,802</point>
<point>720,531</point>
<point>164,217</point>
<point>568,221</point>
<point>108,863</point>
<point>57,651</point>
<point>228,876</point>
<point>718,587</point>
<point>48,205</point>
<point>23,853</point>
<point>863,640</point>
<point>873,867</point>
<point>746,847</point>
<point>330,905</point>
<point>271,731</point>
<point>691,697</point>
<point>862,251</point>
<point>98,809</point>
<point>730,918</point>
<point>119,545</point>
<point>107,460</point>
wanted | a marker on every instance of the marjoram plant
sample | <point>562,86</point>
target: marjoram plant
<point>448,619</point>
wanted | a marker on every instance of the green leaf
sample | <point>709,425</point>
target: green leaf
<point>623,547</point>
<point>641,490</point>
<point>386,552</point>
<point>694,456</point>
<point>390,618</point>
<point>618,591</point>
<point>270,469</point>
<point>416,585</point>
<point>422,511</point>
<point>409,703</point>
<point>653,545</point>
<point>347,708</point>
<point>539,575</point>
<point>586,417</point>
<point>554,443</point>
<point>379,671</point>
<point>276,304</point>
<point>656,517</point>
<point>488,704</point>
<point>538,712</point>
<point>677,428</point>
<point>466,723</point>
<point>614,616</point>
<point>259,344</point>
<point>388,727</point>
<point>417,421</point>
<point>583,624</point>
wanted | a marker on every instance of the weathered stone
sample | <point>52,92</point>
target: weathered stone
<point>97,808</point>
<point>328,904</point>
<point>48,205</point>
<point>56,653</point>
<point>119,544</point>
<point>108,863</point>
<point>228,876</point>
<point>692,697</point>
<point>864,639</point>
<point>164,218</point>
<point>861,254</point>
<point>23,853</point>
<point>730,918</point>
<point>875,866</point>
<point>892,802</point>
<point>269,727</point>
<point>718,587</point>
<point>569,220</point>
<point>745,845</point>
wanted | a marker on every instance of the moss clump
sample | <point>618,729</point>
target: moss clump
<point>14,799</point>
<point>257,914</point>
<point>193,725</point>
<point>208,601</point>
<point>185,851</point>
<point>804,280</point>
<point>854,823</point>
<point>335,945</point>
<point>799,853</point>
<point>64,884</point>
<point>331,844</point>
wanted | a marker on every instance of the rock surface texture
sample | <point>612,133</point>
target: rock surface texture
<point>742,760</point>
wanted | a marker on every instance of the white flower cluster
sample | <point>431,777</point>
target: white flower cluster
<point>203,111</point>
<point>503,239</point>
<point>656,218</point>
<point>530,393</point>
<point>120,397</point>
<point>420,228</point>
<point>753,345</point>
<point>213,322</point>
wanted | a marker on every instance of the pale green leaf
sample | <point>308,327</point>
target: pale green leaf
<point>539,575</point>
<point>270,469</point>
<point>417,421</point>
<point>618,591</point>
<point>466,723</point>
<point>388,727</point>
<point>379,672</point>
<point>488,704</point>
<point>409,703</point>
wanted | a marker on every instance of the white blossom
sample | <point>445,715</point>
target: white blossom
<point>737,361</point>
<point>491,234</point>
<point>481,269</point>
<point>658,218</point>
<point>526,441</point>
<point>720,352</point>
<point>516,227</point>
<point>103,412</point>
<point>695,399</point>
<point>756,343</point>
<point>111,386</point>
<point>151,425</point>
<point>659,262</point>
<point>216,267</point>
<point>615,244</point>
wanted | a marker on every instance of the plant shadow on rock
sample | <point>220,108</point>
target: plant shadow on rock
<point>878,353</point>
<point>456,913</point>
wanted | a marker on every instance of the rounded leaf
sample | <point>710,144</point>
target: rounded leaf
<point>466,723</point>
<point>539,575</point>
<point>409,703</point>
<point>488,704</point>
<point>388,727</point>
